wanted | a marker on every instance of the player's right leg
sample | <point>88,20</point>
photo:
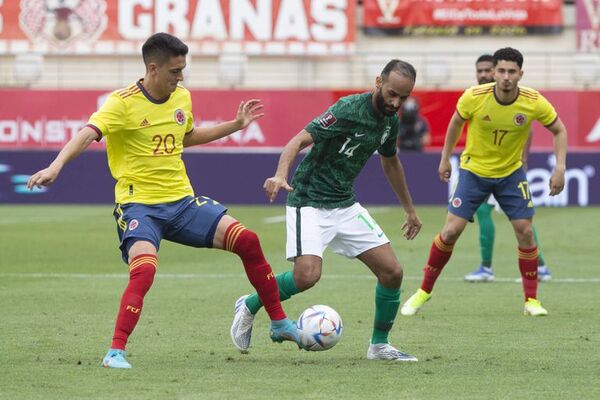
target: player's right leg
<point>306,242</point>
<point>139,236</point>
<point>484,272</point>
<point>470,192</point>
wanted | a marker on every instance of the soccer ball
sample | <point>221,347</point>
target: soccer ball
<point>319,328</point>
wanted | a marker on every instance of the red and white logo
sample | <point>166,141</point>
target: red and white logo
<point>179,117</point>
<point>520,119</point>
<point>63,23</point>
<point>327,119</point>
<point>133,224</point>
<point>456,202</point>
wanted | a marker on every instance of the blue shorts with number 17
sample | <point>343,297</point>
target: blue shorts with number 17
<point>511,192</point>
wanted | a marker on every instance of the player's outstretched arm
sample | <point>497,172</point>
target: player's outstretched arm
<point>394,173</point>
<point>452,135</point>
<point>72,149</point>
<point>289,154</point>
<point>247,112</point>
<point>557,180</point>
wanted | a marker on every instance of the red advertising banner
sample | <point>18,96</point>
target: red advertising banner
<point>588,26</point>
<point>47,119</point>
<point>460,17</point>
<point>207,26</point>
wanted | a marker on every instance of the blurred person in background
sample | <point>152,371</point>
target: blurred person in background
<point>413,128</point>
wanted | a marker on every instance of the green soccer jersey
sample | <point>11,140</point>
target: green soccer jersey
<point>345,136</point>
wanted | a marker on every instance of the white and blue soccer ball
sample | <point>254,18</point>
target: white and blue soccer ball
<point>320,328</point>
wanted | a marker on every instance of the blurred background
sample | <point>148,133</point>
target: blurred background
<point>59,59</point>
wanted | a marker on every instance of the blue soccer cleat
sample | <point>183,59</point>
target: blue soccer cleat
<point>115,358</point>
<point>285,330</point>
<point>543,274</point>
<point>481,274</point>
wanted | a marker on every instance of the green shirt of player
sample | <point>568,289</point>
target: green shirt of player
<point>345,136</point>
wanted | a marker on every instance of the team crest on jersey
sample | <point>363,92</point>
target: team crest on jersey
<point>133,224</point>
<point>179,116</point>
<point>520,119</point>
<point>327,119</point>
<point>386,133</point>
<point>456,202</point>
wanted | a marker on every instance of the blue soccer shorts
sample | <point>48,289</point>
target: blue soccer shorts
<point>191,221</point>
<point>511,193</point>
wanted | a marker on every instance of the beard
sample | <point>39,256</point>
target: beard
<point>485,80</point>
<point>382,108</point>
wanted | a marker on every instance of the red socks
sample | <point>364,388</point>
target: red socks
<point>141,275</point>
<point>245,244</point>
<point>438,257</point>
<point>528,261</point>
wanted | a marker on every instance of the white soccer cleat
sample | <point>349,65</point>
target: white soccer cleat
<point>385,351</point>
<point>415,302</point>
<point>241,328</point>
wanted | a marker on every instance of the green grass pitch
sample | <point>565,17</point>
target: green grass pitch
<point>61,279</point>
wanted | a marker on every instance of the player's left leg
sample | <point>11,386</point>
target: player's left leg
<point>359,236</point>
<point>513,196</point>
<point>384,264</point>
<point>204,223</point>
<point>232,236</point>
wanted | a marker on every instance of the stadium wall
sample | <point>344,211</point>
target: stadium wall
<point>237,178</point>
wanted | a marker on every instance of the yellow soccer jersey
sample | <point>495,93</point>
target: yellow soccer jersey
<point>144,143</point>
<point>497,132</point>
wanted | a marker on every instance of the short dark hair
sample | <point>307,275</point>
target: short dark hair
<point>402,67</point>
<point>160,47</point>
<point>509,54</point>
<point>485,58</point>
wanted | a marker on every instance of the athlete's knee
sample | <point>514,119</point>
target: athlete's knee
<point>391,277</point>
<point>243,242</point>
<point>306,275</point>
<point>450,234</point>
<point>525,234</point>
<point>138,247</point>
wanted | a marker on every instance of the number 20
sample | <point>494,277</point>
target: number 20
<point>167,143</point>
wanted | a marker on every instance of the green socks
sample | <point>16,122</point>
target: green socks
<point>387,302</point>
<point>537,242</point>
<point>287,288</point>
<point>487,233</point>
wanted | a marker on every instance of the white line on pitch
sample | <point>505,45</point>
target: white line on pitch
<point>40,275</point>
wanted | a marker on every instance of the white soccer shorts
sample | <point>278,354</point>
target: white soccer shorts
<point>348,231</point>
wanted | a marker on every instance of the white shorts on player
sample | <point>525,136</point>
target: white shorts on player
<point>349,231</point>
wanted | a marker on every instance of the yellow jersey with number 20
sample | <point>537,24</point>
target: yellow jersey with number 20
<point>497,132</point>
<point>144,143</point>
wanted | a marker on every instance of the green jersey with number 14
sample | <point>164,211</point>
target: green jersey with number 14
<point>345,136</point>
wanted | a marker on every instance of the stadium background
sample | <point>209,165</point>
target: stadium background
<point>59,60</point>
<point>61,274</point>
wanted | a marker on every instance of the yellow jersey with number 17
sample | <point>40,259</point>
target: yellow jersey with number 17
<point>497,132</point>
<point>144,143</point>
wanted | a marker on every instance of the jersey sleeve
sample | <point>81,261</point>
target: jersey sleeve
<point>388,148</point>
<point>464,106</point>
<point>329,124</point>
<point>545,112</point>
<point>110,117</point>
<point>189,126</point>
